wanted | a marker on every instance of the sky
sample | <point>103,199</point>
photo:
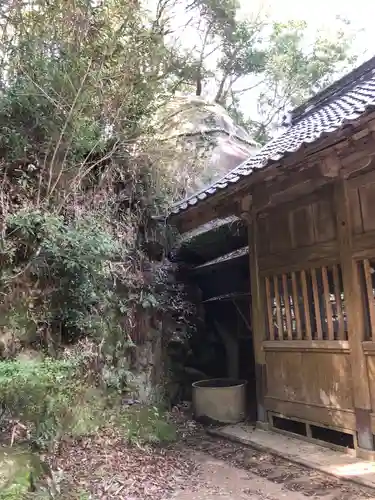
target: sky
<point>323,13</point>
<point>320,15</point>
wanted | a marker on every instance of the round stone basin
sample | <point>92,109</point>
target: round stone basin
<point>221,400</point>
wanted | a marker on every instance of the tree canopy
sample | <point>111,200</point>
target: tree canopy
<point>82,86</point>
<point>256,59</point>
<point>93,151</point>
<point>77,72</point>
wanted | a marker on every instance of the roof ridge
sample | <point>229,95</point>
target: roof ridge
<point>338,86</point>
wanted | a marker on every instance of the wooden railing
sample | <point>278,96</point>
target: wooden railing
<point>306,305</point>
<point>366,271</point>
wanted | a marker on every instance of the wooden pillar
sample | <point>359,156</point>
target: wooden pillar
<point>258,315</point>
<point>355,317</point>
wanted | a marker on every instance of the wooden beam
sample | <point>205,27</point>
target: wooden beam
<point>339,306</point>
<point>357,156</point>
<point>287,307</point>
<point>355,318</point>
<point>318,314</point>
<point>296,306</point>
<point>271,326</point>
<point>370,296</point>
<point>297,191</point>
<point>280,331</point>
<point>307,346</point>
<point>299,258</point>
<point>328,306</point>
<point>197,216</point>
<point>291,184</point>
<point>258,318</point>
<point>306,308</point>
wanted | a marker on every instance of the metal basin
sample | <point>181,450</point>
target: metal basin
<point>221,400</point>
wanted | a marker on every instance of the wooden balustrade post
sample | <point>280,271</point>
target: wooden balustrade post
<point>355,317</point>
<point>258,315</point>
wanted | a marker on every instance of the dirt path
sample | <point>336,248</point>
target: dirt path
<point>197,467</point>
<point>218,480</point>
<point>229,471</point>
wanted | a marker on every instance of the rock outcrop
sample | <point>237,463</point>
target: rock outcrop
<point>208,141</point>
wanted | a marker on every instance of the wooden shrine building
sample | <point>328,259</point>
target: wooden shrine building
<point>308,199</point>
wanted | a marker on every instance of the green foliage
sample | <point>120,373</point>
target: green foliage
<point>70,262</point>
<point>16,491</point>
<point>294,70</point>
<point>145,425</point>
<point>79,82</point>
<point>51,398</point>
<point>40,394</point>
<point>63,50</point>
<point>272,64</point>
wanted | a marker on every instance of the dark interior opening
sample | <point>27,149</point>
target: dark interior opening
<point>334,437</point>
<point>227,306</point>
<point>293,426</point>
<point>217,264</point>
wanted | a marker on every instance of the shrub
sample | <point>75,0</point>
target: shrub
<point>47,396</point>
<point>51,398</point>
<point>68,265</point>
<point>146,425</point>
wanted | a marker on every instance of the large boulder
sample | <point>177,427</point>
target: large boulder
<point>205,140</point>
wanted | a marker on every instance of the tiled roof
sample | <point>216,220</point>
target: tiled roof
<point>240,252</point>
<point>341,103</point>
<point>209,226</point>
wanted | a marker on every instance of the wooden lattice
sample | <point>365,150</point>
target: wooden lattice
<point>307,305</point>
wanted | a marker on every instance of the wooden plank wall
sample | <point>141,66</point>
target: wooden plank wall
<point>316,264</point>
<point>319,348</point>
<point>295,234</point>
<point>361,194</point>
<point>306,350</point>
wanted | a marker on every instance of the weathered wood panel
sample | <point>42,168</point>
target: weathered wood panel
<point>339,419</point>
<point>299,258</point>
<point>321,378</point>
<point>302,226</point>
<point>371,376</point>
<point>367,203</point>
<point>361,198</point>
<point>324,220</point>
<point>354,311</point>
<point>313,383</point>
<point>278,224</point>
<point>308,221</point>
<point>355,205</point>
<point>369,350</point>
